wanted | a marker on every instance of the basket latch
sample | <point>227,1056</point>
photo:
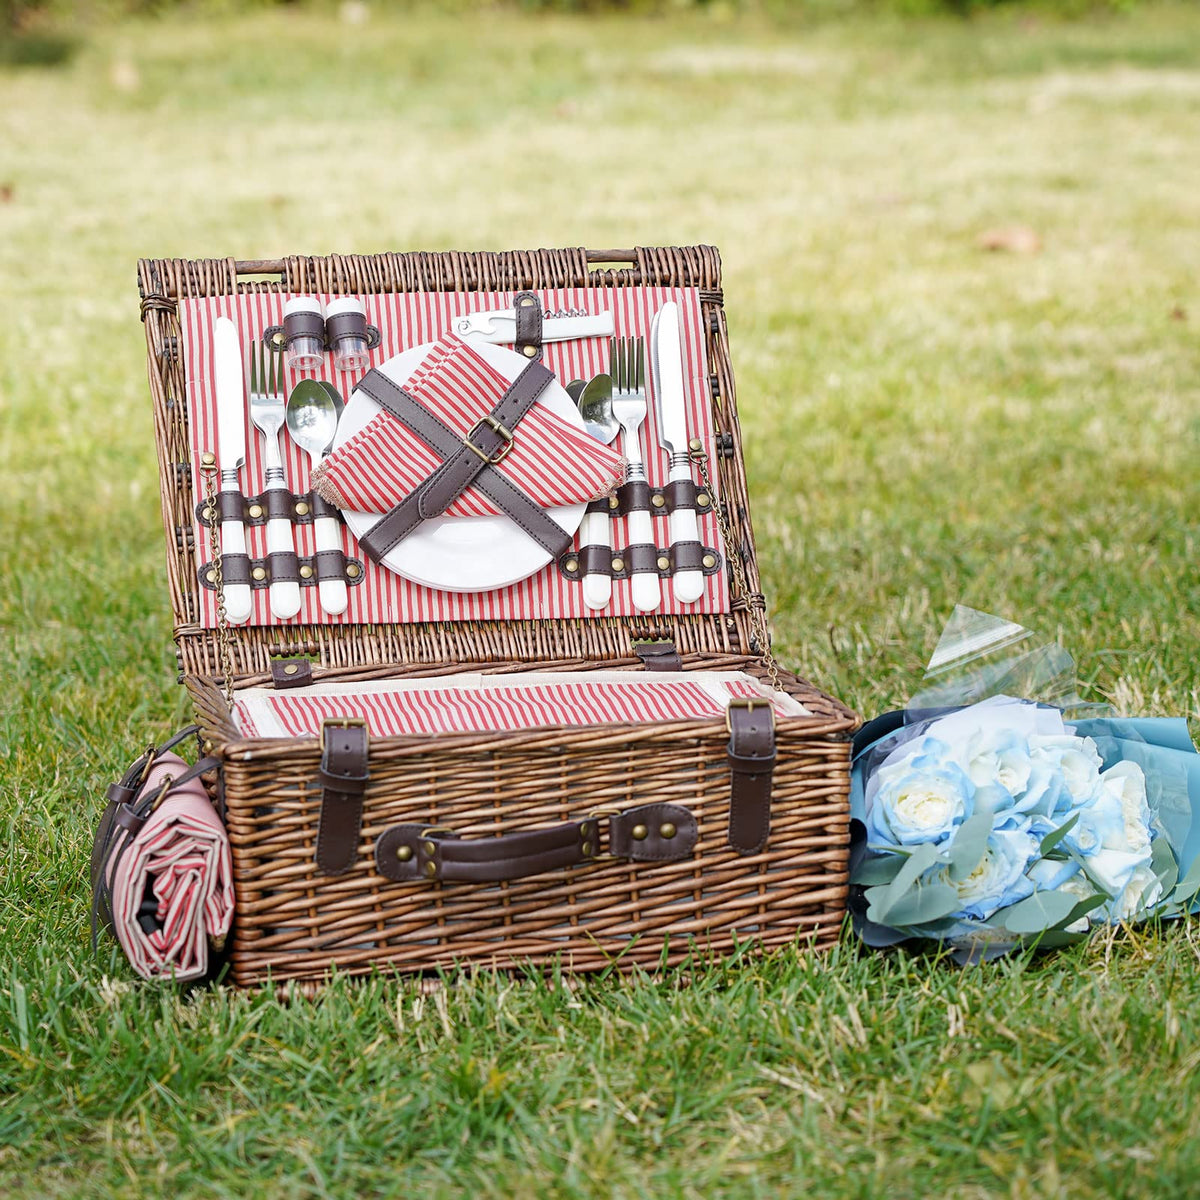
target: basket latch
<point>343,774</point>
<point>751,724</point>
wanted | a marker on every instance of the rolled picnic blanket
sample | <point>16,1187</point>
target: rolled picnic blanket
<point>550,459</point>
<point>162,873</point>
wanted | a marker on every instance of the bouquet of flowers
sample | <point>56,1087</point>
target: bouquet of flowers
<point>987,814</point>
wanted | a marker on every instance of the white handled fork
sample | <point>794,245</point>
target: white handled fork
<point>627,365</point>
<point>267,411</point>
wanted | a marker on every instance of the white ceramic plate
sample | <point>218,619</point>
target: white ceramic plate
<point>462,554</point>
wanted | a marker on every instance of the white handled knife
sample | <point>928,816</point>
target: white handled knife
<point>500,326</point>
<point>231,451</point>
<point>666,365</point>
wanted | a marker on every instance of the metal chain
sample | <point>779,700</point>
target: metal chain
<point>224,641</point>
<point>758,616</point>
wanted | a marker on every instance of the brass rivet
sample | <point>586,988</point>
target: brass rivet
<point>666,830</point>
<point>430,849</point>
<point>618,564</point>
<point>209,512</point>
<point>208,459</point>
<point>211,576</point>
<point>302,508</point>
<point>587,849</point>
<point>702,499</point>
<point>695,444</point>
<point>614,502</point>
<point>255,511</point>
<point>658,499</point>
<point>529,351</point>
<point>431,869</point>
<point>585,830</point>
<point>572,564</point>
<point>306,572</point>
<point>638,833</point>
<point>404,853</point>
<point>354,570</point>
<point>259,572</point>
<point>709,560</point>
<point>291,668</point>
<point>663,562</point>
<point>527,301</point>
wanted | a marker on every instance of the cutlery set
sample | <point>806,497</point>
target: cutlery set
<point>311,415</point>
<point>612,406</point>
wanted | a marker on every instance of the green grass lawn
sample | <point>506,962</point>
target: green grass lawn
<point>926,422</point>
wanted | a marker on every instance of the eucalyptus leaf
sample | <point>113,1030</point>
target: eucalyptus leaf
<point>1163,864</point>
<point>1081,910</point>
<point>873,871</point>
<point>969,845</point>
<point>882,899</point>
<point>1037,913</point>
<point>1187,888</point>
<point>924,902</point>
<point>1056,835</point>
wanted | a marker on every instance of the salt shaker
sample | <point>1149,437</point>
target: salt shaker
<point>346,329</point>
<point>304,330</point>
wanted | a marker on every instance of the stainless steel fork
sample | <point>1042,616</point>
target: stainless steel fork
<point>267,411</point>
<point>627,366</point>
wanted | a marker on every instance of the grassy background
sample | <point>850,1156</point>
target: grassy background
<point>926,422</point>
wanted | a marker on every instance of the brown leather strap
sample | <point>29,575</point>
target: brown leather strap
<point>235,568</point>
<point>641,559</point>
<point>280,504</point>
<point>688,556</point>
<point>329,564</point>
<point>485,443</point>
<point>679,493</point>
<point>529,325</point>
<point>304,324</point>
<point>283,566</point>
<point>751,763</point>
<point>231,506</point>
<point>345,324</point>
<point>344,773</point>
<point>405,516</point>
<point>648,833</point>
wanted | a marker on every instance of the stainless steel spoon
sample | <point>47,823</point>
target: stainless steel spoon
<point>312,419</point>
<point>595,407</point>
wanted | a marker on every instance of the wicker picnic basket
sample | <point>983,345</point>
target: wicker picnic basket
<point>296,921</point>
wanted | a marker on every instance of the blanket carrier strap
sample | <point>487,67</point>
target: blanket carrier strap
<point>343,775</point>
<point>646,833</point>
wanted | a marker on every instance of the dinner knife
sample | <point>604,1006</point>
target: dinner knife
<point>666,365</point>
<point>499,326</point>
<point>231,452</point>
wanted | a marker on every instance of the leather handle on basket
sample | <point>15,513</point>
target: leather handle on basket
<point>648,833</point>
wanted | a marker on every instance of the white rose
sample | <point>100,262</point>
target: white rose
<point>1077,758</point>
<point>1143,889</point>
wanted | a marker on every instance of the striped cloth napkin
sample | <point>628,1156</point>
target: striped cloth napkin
<point>552,461</point>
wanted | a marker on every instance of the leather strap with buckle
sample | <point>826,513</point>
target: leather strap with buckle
<point>751,724</point>
<point>343,774</point>
<point>468,462</point>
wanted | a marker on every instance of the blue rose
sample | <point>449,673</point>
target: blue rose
<point>999,880</point>
<point>923,798</point>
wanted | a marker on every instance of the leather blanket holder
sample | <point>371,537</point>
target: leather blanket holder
<point>581,848</point>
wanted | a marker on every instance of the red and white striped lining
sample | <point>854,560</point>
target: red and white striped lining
<point>553,462</point>
<point>412,319</point>
<point>491,704</point>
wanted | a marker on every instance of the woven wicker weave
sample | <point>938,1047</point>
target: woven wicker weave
<point>294,923</point>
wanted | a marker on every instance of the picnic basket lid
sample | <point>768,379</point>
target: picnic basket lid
<point>364,649</point>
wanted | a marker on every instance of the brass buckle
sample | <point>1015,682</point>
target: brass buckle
<point>340,723</point>
<point>500,430</point>
<point>596,815</point>
<point>749,703</point>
